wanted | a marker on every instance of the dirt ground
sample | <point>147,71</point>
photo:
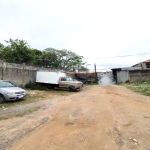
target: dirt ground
<point>97,118</point>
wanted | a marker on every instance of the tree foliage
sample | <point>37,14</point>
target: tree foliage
<point>18,51</point>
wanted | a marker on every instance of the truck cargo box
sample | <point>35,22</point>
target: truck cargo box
<point>49,77</point>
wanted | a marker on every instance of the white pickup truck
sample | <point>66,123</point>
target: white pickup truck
<point>58,79</point>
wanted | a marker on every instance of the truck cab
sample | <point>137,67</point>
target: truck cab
<point>71,84</point>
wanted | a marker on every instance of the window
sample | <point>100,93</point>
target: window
<point>148,65</point>
<point>63,79</point>
<point>6,84</point>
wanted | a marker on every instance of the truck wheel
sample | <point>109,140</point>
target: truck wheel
<point>2,99</point>
<point>72,88</point>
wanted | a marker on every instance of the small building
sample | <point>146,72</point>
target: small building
<point>135,73</point>
<point>122,74</point>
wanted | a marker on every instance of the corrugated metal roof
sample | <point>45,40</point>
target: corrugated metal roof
<point>132,68</point>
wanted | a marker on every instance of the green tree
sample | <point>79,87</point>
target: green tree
<point>1,46</point>
<point>18,52</point>
<point>38,57</point>
<point>1,50</point>
<point>70,61</point>
<point>49,58</point>
<point>6,54</point>
<point>62,59</point>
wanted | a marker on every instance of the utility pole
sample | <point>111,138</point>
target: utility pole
<point>95,74</point>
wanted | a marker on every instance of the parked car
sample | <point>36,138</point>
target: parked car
<point>10,92</point>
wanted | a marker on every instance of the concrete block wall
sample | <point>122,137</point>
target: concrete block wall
<point>19,74</point>
<point>139,75</point>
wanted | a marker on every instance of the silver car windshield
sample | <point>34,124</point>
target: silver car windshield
<point>6,84</point>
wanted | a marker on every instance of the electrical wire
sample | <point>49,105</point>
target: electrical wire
<point>115,57</point>
<point>102,69</point>
<point>119,56</point>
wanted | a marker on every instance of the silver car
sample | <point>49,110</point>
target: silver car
<point>10,92</point>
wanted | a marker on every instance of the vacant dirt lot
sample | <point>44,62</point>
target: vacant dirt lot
<point>96,118</point>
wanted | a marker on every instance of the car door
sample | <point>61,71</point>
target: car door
<point>63,82</point>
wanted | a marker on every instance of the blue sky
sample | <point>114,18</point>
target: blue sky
<point>94,29</point>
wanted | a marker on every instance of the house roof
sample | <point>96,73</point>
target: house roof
<point>147,60</point>
<point>142,62</point>
<point>126,68</point>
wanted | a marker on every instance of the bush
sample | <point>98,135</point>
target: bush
<point>35,86</point>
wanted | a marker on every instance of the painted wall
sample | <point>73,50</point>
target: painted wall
<point>19,74</point>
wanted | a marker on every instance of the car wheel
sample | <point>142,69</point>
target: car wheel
<point>2,99</point>
<point>72,88</point>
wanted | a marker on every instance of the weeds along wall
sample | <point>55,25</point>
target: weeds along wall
<point>19,74</point>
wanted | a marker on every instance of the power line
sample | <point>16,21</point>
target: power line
<point>102,69</point>
<point>119,56</point>
<point>116,57</point>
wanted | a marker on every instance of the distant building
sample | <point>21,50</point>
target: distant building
<point>136,73</point>
<point>122,74</point>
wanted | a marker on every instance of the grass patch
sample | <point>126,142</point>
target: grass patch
<point>36,95</point>
<point>36,92</point>
<point>139,87</point>
<point>20,114</point>
<point>61,92</point>
<point>35,86</point>
<point>28,99</point>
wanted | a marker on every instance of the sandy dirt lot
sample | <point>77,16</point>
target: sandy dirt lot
<point>97,118</point>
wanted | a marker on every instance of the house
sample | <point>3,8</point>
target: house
<point>136,73</point>
<point>145,65</point>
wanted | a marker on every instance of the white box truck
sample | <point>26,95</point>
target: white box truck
<point>58,79</point>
